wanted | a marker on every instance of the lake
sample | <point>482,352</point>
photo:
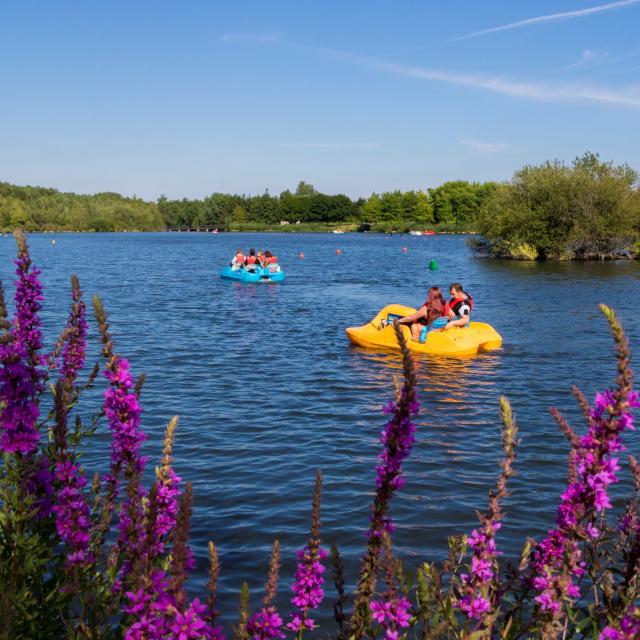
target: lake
<point>268,388</point>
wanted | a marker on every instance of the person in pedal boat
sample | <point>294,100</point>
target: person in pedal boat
<point>238,260</point>
<point>459,307</point>
<point>251,262</point>
<point>434,307</point>
<point>269,259</point>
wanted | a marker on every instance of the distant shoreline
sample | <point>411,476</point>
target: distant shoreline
<point>246,231</point>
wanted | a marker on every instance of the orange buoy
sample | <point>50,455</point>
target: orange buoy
<point>301,255</point>
<point>404,249</point>
<point>338,252</point>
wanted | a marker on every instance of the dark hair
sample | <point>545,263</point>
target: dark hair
<point>267,254</point>
<point>457,286</point>
<point>252,252</point>
<point>435,304</point>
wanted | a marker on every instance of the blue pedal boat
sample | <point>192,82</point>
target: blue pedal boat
<point>271,273</point>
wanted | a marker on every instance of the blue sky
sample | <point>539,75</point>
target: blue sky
<point>187,98</point>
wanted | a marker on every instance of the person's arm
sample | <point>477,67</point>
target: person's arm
<point>460,322</point>
<point>420,313</point>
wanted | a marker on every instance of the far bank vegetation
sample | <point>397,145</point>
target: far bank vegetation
<point>452,206</point>
<point>589,210</point>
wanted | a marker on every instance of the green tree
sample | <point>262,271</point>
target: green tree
<point>371,210</point>
<point>416,207</point>
<point>239,214</point>
<point>456,202</point>
<point>391,206</point>
<point>305,189</point>
<point>12,213</point>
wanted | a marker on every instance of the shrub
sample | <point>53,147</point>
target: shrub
<point>590,210</point>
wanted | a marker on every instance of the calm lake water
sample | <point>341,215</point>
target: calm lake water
<point>268,388</point>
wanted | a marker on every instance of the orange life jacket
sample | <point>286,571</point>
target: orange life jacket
<point>271,260</point>
<point>251,259</point>
<point>239,258</point>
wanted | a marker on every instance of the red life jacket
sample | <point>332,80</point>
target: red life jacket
<point>271,260</point>
<point>251,260</point>
<point>456,303</point>
<point>239,258</point>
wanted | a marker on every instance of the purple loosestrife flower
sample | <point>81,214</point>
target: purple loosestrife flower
<point>146,521</point>
<point>20,409</point>
<point>475,603</point>
<point>629,627</point>
<point>397,439</point>
<point>75,346</point>
<point>393,612</point>
<point>558,560</point>
<point>156,615</point>
<point>20,376</point>
<point>167,491</point>
<point>26,323</point>
<point>123,411</point>
<point>392,615</point>
<point>72,514</point>
<point>189,625</point>
<point>307,587</point>
<point>265,624</point>
<point>73,523</point>
<point>167,504</point>
<point>478,597</point>
<point>39,485</point>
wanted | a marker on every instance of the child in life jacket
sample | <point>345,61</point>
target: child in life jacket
<point>251,261</point>
<point>434,307</point>
<point>261,257</point>
<point>459,307</point>
<point>237,262</point>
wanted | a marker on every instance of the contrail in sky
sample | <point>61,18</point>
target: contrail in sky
<point>627,96</point>
<point>553,17</point>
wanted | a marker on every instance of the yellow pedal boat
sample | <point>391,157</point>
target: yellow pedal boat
<point>457,341</point>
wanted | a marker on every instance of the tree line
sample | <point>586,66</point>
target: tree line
<point>589,209</point>
<point>456,204</point>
